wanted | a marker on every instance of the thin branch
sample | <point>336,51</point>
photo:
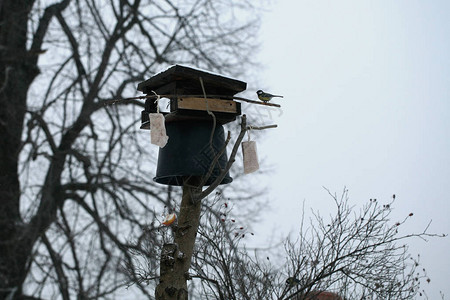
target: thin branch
<point>39,35</point>
<point>115,101</point>
<point>215,160</point>
<point>56,262</point>
<point>230,162</point>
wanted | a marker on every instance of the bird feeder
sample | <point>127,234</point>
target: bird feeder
<point>194,123</point>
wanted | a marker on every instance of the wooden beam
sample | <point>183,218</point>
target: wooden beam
<point>216,105</point>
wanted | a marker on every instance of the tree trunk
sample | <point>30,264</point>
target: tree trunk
<point>17,72</point>
<point>176,257</point>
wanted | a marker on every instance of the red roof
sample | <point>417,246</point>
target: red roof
<point>323,296</point>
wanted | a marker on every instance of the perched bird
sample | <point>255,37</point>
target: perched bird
<point>266,97</point>
<point>291,281</point>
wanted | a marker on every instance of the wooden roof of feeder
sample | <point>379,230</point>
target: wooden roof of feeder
<point>187,102</point>
<point>183,80</point>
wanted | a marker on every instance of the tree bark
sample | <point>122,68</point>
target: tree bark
<point>17,71</point>
<point>176,257</point>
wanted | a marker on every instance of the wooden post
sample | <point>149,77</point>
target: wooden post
<point>176,257</point>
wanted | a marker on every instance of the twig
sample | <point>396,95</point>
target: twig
<point>115,101</point>
<point>215,160</point>
<point>261,127</point>
<point>426,228</point>
<point>215,282</point>
<point>257,102</point>
<point>231,160</point>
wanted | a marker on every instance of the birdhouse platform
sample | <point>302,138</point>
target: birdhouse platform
<point>183,86</point>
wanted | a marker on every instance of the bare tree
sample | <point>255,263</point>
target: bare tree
<point>356,254</point>
<point>75,180</point>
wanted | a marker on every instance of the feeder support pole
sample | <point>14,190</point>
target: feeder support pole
<point>176,257</point>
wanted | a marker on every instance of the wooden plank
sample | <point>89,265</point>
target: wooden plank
<point>216,105</point>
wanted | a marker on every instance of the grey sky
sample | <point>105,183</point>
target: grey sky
<point>366,88</point>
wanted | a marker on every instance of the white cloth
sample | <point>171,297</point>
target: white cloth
<point>158,130</point>
<point>250,157</point>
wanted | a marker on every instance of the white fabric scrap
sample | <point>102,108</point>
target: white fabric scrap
<point>158,130</point>
<point>250,157</point>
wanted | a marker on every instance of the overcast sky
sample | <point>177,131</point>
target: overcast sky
<point>366,88</point>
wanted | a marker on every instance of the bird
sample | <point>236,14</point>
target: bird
<point>291,281</point>
<point>266,97</point>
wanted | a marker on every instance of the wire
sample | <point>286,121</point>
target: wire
<point>212,115</point>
